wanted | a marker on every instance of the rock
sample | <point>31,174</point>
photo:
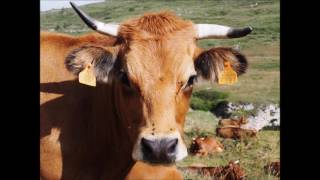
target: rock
<point>266,116</point>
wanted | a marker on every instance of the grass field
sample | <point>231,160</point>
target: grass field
<point>261,83</point>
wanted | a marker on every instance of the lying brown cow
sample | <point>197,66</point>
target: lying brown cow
<point>235,133</point>
<point>144,171</point>
<point>202,146</point>
<point>233,122</point>
<point>232,171</point>
<point>273,168</point>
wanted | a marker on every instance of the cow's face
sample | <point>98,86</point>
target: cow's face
<point>154,68</point>
<point>196,145</point>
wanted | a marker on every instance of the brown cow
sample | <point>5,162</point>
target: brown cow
<point>202,146</point>
<point>233,122</point>
<point>144,171</point>
<point>145,69</point>
<point>232,171</point>
<point>273,168</point>
<point>235,133</point>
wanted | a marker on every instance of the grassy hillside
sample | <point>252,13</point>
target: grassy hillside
<point>259,85</point>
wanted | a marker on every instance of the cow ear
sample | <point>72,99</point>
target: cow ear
<point>102,59</point>
<point>210,63</point>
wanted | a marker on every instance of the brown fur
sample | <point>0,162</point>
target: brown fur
<point>233,122</point>
<point>232,171</point>
<point>155,26</point>
<point>273,168</point>
<point>144,171</point>
<point>235,133</point>
<point>202,146</point>
<point>89,132</point>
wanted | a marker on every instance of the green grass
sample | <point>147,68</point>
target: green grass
<point>253,153</point>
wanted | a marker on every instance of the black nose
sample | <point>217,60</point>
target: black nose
<point>159,151</point>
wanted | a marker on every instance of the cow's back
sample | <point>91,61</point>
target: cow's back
<point>213,145</point>
<point>227,132</point>
<point>229,122</point>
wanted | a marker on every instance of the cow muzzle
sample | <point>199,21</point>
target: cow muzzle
<point>160,148</point>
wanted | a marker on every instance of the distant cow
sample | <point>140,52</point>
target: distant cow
<point>235,133</point>
<point>273,168</point>
<point>144,171</point>
<point>232,171</point>
<point>233,122</point>
<point>202,146</point>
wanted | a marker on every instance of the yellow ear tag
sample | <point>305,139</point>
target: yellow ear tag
<point>228,75</point>
<point>87,76</point>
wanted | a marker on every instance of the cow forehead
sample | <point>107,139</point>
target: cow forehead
<point>165,60</point>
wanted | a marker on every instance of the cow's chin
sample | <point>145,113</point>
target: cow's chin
<point>180,153</point>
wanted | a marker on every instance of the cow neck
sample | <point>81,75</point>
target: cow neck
<point>122,121</point>
<point>113,138</point>
<point>122,133</point>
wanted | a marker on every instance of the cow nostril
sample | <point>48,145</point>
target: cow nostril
<point>172,144</point>
<point>147,145</point>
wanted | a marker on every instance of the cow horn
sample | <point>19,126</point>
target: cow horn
<point>207,31</point>
<point>109,29</point>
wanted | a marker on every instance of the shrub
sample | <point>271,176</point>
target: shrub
<point>200,104</point>
<point>65,25</point>
<point>57,28</point>
<point>206,100</point>
<point>211,95</point>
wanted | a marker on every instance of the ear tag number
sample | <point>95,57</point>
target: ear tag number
<point>228,75</point>
<point>87,76</point>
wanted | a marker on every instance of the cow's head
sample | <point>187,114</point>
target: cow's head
<point>153,66</point>
<point>197,145</point>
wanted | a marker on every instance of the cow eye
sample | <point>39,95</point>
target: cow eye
<point>124,78</point>
<point>191,81</point>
